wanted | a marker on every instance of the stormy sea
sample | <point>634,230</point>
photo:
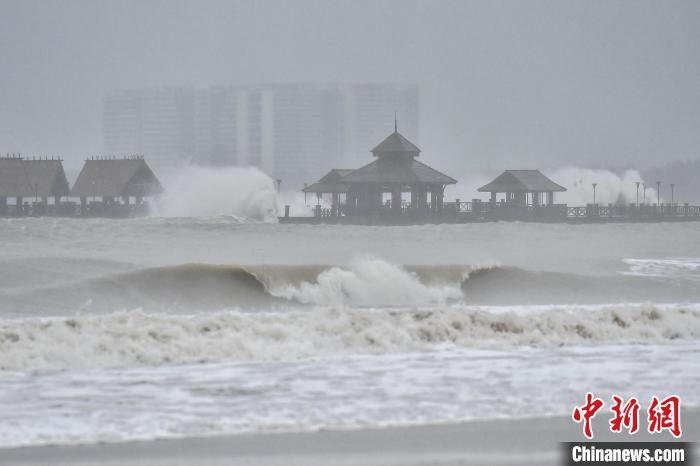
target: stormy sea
<point>184,326</point>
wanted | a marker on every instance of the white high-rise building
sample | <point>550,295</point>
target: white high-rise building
<point>368,116</point>
<point>294,132</point>
<point>155,122</point>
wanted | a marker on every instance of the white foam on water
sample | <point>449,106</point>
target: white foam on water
<point>111,405</point>
<point>679,267</point>
<point>137,338</point>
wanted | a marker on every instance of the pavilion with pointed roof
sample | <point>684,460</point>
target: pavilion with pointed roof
<point>394,172</point>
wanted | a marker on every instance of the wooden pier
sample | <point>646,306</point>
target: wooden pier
<point>477,211</point>
<point>373,195</point>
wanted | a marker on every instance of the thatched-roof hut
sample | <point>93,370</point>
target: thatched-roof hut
<point>39,179</point>
<point>112,178</point>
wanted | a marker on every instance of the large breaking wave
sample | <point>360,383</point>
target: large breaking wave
<point>200,287</point>
<point>365,282</point>
<point>209,313</point>
<point>139,338</point>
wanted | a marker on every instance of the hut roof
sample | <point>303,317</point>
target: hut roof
<point>32,178</point>
<point>396,143</point>
<point>115,178</point>
<point>396,171</point>
<point>514,181</point>
<point>329,182</point>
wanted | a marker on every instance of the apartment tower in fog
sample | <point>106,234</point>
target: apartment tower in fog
<point>294,132</point>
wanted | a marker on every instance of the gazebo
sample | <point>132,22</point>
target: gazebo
<point>523,188</point>
<point>330,184</point>
<point>395,171</point>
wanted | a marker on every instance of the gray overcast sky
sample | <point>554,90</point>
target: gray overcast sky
<point>517,83</point>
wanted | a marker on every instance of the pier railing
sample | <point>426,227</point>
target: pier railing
<point>634,211</point>
<point>72,209</point>
<point>477,210</point>
<point>562,211</point>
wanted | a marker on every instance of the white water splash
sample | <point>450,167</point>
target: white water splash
<point>242,192</point>
<point>370,282</point>
<point>611,188</point>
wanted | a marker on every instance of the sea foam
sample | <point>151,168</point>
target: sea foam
<point>136,338</point>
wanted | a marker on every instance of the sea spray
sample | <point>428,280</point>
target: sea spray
<point>611,188</point>
<point>243,192</point>
<point>299,204</point>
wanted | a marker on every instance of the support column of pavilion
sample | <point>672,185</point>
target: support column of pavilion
<point>369,199</point>
<point>419,197</point>
<point>542,198</point>
<point>396,192</point>
<point>335,204</point>
<point>437,194</point>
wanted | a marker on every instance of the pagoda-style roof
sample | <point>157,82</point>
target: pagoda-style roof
<point>397,171</point>
<point>112,177</point>
<point>395,164</point>
<point>396,143</point>
<point>329,183</point>
<point>32,178</point>
<point>518,181</point>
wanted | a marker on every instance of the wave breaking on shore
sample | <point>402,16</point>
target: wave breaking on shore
<point>139,338</point>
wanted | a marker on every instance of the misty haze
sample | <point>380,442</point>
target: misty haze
<point>346,232</point>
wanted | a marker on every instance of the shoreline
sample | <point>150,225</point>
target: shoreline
<point>497,442</point>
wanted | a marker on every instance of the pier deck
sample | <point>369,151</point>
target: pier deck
<point>477,212</point>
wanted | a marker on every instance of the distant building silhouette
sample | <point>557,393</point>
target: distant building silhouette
<point>291,131</point>
<point>157,122</point>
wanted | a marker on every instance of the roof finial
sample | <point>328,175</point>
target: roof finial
<point>396,123</point>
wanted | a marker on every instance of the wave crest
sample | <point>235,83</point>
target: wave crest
<point>374,282</point>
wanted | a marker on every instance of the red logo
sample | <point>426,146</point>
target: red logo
<point>626,416</point>
<point>587,412</point>
<point>665,415</point>
<point>662,415</point>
